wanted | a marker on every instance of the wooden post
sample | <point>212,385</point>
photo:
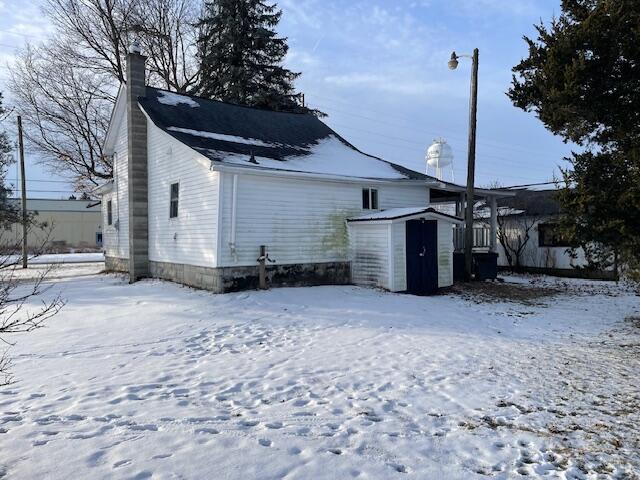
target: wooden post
<point>23,184</point>
<point>262,268</point>
<point>471,170</point>
<point>493,203</point>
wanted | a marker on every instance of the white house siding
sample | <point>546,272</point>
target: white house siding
<point>541,257</point>
<point>445,254</point>
<point>369,244</point>
<point>299,220</point>
<point>115,237</point>
<point>191,238</point>
<point>399,235</point>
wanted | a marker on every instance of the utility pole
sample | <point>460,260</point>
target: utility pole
<point>471,169</point>
<point>23,183</point>
<point>471,161</point>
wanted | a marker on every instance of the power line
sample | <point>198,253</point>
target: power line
<point>538,168</point>
<point>42,181</point>
<point>15,190</point>
<point>536,184</point>
<point>419,144</point>
<point>490,144</point>
<point>26,35</point>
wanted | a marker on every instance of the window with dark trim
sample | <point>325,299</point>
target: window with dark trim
<point>369,199</point>
<point>173,202</point>
<point>550,236</point>
<point>109,212</point>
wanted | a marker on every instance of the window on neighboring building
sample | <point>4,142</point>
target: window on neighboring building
<point>549,236</point>
<point>173,205</point>
<point>109,212</point>
<point>369,199</point>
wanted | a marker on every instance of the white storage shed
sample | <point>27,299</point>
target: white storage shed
<point>403,249</point>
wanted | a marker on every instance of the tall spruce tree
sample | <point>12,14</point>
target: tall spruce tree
<point>582,80</point>
<point>241,56</point>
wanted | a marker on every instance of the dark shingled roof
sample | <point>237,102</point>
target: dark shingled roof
<point>280,135</point>
<point>533,202</point>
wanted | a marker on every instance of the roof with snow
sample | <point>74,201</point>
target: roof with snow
<point>405,212</point>
<point>251,137</point>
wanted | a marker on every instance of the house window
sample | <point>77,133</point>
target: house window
<point>109,212</point>
<point>98,238</point>
<point>369,199</point>
<point>549,236</point>
<point>173,202</point>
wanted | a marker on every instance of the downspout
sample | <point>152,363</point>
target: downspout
<point>234,211</point>
<point>117,222</point>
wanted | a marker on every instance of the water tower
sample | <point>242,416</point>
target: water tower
<point>440,159</point>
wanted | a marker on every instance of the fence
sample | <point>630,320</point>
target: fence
<point>481,237</point>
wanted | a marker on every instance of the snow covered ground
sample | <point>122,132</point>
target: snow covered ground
<point>534,377</point>
<point>62,258</point>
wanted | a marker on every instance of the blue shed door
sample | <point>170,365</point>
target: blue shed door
<point>422,256</point>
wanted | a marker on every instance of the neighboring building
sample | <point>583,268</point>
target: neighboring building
<point>200,185</point>
<point>536,213</point>
<point>69,225</point>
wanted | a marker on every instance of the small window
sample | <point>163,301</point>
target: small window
<point>173,206</point>
<point>109,212</point>
<point>98,238</point>
<point>369,199</point>
<point>549,236</point>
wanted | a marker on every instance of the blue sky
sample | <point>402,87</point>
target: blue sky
<point>379,69</point>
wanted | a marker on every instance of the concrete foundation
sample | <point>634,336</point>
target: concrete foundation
<point>233,279</point>
<point>116,264</point>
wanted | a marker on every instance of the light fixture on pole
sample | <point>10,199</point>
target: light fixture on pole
<point>471,163</point>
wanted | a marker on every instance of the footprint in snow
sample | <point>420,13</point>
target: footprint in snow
<point>274,425</point>
<point>161,456</point>
<point>398,467</point>
<point>122,463</point>
<point>265,442</point>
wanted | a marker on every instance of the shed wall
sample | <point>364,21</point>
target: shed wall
<point>370,254</point>
<point>399,235</point>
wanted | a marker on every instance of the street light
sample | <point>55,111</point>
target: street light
<point>453,62</point>
<point>471,162</point>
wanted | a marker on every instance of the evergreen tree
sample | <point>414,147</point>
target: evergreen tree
<point>582,80</point>
<point>241,56</point>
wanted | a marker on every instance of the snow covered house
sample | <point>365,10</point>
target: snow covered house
<point>200,185</point>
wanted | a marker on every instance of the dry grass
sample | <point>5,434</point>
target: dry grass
<point>494,292</point>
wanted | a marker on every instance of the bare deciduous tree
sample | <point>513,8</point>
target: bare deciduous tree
<point>16,313</point>
<point>66,112</point>
<point>169,38</point>
<point>66,88</point>
<point>514,233</point>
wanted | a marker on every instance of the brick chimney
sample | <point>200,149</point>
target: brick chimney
<point>137,167</point>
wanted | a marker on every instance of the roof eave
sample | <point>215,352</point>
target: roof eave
<point>117,117</point>
<point>102,189</point>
